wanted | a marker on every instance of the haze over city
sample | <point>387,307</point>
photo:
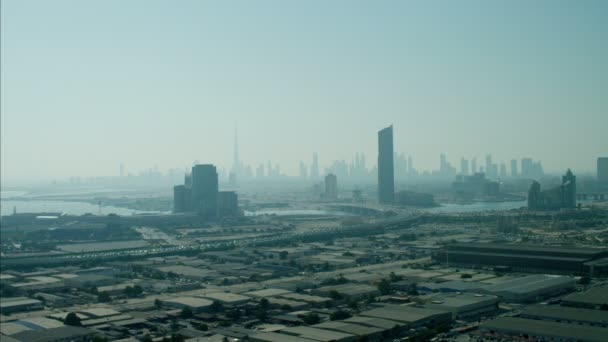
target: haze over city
<point>89,85</point>
<point>303,171</point>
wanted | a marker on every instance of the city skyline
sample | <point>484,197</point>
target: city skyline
<point>454,78</point>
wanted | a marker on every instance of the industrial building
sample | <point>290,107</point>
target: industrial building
<point>525,258</point>
<point>507,327</point>
<point>530,288</point>
<point>193,303</point>
<point>461,305</point>
<point>10,305</point>
<point>594,298</point>
<point>362,332</point>
<point>411,316</point>
<point>598,318</point>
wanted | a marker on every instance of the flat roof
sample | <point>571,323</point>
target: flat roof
<point>266,293</point>
<point>227,297</point>
<point>566,313</point>
<point>349,328</point>
<point>532,248</point>
<point>513,325</point>
<point>460,300</point>
<point>374,322</point>
<point>529,283</point>
<point>316,334</point>
<point>276,337</point>
<point>593,296</point>
<point>407,314</point>
<point>19,302</point>
<point>189,301</point>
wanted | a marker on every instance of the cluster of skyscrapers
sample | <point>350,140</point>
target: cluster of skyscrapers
<point>562,196</point>
<point>200,194</point>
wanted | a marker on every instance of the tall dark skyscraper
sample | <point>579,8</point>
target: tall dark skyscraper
<point>204,190</point>
<point>513,168</point>
<point>602,169</point>
<point>386,176</point>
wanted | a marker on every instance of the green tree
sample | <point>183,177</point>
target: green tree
<point>338,315</point>
<point>584,280</point>
<point>186,313</point>
<point>385,288</point>
<point>283,255</point>
<point>311,318</point>
<point>73,320</point>
<point>103,297</point>
<point>335,295</point>
<point>395,278</point>
<point>157,303</point>
<point>216,306</point>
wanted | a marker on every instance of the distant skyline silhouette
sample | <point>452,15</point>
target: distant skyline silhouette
<point>88,85</point>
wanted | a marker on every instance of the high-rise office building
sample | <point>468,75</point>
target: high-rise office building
<point>331,186</point>
<point>474,166</point>
<point>569,190</point>
<point>464,166</point>
<point>410,166</point>
<point>526,167</point>
<point>179,199</point>
<point>314,167</point>
<point>513,167</point>
<point>227,203</point>
<point>503,170</point>
<point>386,176</point>
<point>204,190</point>
<point>303,170</point>
<point>602,169</point>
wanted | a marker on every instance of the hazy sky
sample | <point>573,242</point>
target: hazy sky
<point>88,84</point>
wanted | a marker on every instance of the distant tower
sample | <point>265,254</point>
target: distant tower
<point>204,190</point>
<point>526,167</point>
<point>386,176</point>
<point>569,190</point>
<point>410,166</point>
<point>464,166</point>
<point>314,167</point>
<point>503,170</point>
<point>331,186</point>
<point>474,166</point>
<point>236,163</point>
<point>303,170</point>
<point>602,169</point>
<point>513,168</point>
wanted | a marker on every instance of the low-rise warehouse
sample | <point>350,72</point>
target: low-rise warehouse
<point>566,315</point>
<point>412,316</point>
<point>594,298</point>
<point>535,329</point>
<point>18,304</point>
<point>318,334</point>
<point>227,298</point>
<point>463,305</point>
<point>530,288</point>
<point>527,258</point>
<point>352,291</point>
<point>361,331</point>
<point>276,337</point>
<point>193,303</point>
